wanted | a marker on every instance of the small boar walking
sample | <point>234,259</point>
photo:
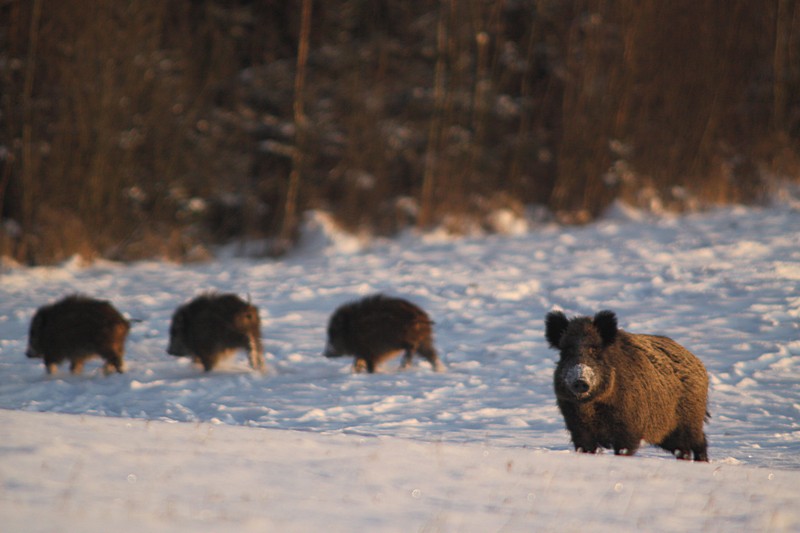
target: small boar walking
<point>78,328</point>
<point>375,328</point>
<point>213,326</point>
<point>616,389</point>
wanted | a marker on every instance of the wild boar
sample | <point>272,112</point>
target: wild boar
<point>376,328</point>
<point>77,328</point>
<point>616,389</point>
<point>213,326</point>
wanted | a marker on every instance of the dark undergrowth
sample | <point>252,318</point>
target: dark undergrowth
<point>141,129</point>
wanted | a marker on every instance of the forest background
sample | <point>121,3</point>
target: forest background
<point>140,128</point>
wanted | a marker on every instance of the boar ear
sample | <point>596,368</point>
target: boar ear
<point>554,326</point>
<point>606,324</point>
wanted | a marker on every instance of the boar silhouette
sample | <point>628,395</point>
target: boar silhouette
<point>616,389</point>
<point>78,328</point>
<point>376,328</point>
<point>213,326</point>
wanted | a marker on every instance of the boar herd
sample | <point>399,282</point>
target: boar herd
<point>614,389</point>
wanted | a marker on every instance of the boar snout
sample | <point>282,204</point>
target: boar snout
<point>580,379</point>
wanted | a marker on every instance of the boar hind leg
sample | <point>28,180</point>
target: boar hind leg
<point>113,366</point>
<point>683,445</point>
<point>700,450</point>
<point>429,352</point>
<point>76,366</point>
<point>408,355</point>
<point>113,363</point>
<point>690,448</point>
<point>698,444</point>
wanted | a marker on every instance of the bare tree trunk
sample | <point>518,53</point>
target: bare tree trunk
<point>581,147</point>
<point>28,173</point>
<point>434,132</point>
<point>301,124</point>
<point>783,33</point>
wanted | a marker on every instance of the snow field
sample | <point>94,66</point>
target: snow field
<point>725,284</point>
<point>99,474</point>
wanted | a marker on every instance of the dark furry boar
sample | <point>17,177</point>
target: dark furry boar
<point>376,328</point>
<point>78,328</point>
<point>213,326</point>
<point>616,389</point>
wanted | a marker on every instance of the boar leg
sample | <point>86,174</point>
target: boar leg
<point>113,362</point>
<point>256,354</point>
<point>625,450</point>
<point>76,366</point>
<point>362,364</point>
<point>699,446</point>
<point>626,443</point>
<point>429,353</point>
<point>683,444</point>
<point>113,366</point>
<point>700,453</point>
<point>208,363</point>
<point>52,368</point>
<point>407,357</point>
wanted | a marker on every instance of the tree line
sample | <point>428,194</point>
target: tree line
<point>133,129</point>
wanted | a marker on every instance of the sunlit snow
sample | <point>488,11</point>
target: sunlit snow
<point>481,447</point>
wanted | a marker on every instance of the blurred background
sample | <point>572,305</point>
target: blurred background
<point>132,129</point>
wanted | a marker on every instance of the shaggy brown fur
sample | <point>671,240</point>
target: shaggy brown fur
<point>215,325</point>
<point>378,327</point>
<point>616,389</point>
<point>78,328</point>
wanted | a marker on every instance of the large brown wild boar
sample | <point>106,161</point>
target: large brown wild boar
<point>616,389</point>
<point>376,328</point>
<point>78,328</point>
<point>213,326</point>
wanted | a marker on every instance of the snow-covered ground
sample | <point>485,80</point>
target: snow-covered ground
<point>481,447</point>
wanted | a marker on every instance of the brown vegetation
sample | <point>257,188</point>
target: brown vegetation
<point>139,128</point>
